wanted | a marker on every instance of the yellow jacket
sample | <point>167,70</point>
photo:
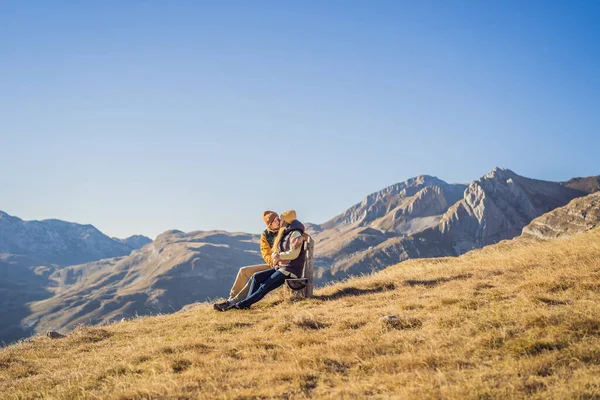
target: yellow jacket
<point>266,244</point>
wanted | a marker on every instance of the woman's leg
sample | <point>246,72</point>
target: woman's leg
<point>258,279</point>
<point>273,282</point>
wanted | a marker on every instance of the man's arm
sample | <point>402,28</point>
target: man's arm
<point>265,249</point>
<point>294,252</point>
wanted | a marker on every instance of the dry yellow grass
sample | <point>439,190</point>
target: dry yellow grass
<point>513,320</point>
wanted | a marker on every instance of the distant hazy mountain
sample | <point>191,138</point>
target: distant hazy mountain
<point>426,224</point>
<point>135,241</point>
<point>22,280</point>
<point>31,251</point>
<point>175,270</point>
<point>58,242</point>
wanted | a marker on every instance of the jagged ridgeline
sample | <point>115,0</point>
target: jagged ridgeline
<point>427,217</point>
<point>58,278</point>
<point>55,242</point>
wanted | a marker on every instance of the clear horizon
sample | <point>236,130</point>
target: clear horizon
<point>141,117</point>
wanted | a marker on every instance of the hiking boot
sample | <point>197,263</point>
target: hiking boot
<point>224,306</point>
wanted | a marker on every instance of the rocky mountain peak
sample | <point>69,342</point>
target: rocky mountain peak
<point>58,242</point>
<point>500,173</point>
<point>498,205</point>
<point>169,235</point>
<point>378,204</point>
<point>135,241</point>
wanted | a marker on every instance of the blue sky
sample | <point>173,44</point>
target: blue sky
<point>143,116</point>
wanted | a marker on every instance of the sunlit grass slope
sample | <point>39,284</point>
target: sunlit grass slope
<point>515,320</point>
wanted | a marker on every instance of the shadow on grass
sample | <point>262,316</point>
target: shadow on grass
<point>354,291</point>
<point>552,302</point>
<point>435,282</point>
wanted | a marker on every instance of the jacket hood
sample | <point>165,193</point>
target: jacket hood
<point>296,225</point>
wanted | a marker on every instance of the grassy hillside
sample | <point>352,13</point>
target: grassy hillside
<point>518,319</point>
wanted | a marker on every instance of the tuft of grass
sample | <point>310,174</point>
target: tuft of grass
<point>525,347</point>
<point>89,335</point>
<point>179,366</point>
<point>552,302</point>
<point>308,383</point>
<point>230,326</point>
<point>307,321</point>
<point>403,323</point>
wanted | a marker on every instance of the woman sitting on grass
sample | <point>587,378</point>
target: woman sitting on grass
<point>288,260</point>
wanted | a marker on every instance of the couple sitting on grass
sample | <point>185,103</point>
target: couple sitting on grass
<point>281,248</point>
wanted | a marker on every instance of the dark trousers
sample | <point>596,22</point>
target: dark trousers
<point>262,283</point>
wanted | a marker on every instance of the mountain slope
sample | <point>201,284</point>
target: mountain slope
<point>381,203</point>
<point>396,211</point>
<point>175,270</point>
<point>498,206</point>
<point>515,320</point>
<point>580,215</point>
<point>22,280</point>
<point>590,184</point>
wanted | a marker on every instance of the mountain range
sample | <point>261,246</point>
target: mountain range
<point>31,251</point>
<point>419,218</point>
<point>61,243</point>
<point>175,270</point>
<point>426,217</point>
